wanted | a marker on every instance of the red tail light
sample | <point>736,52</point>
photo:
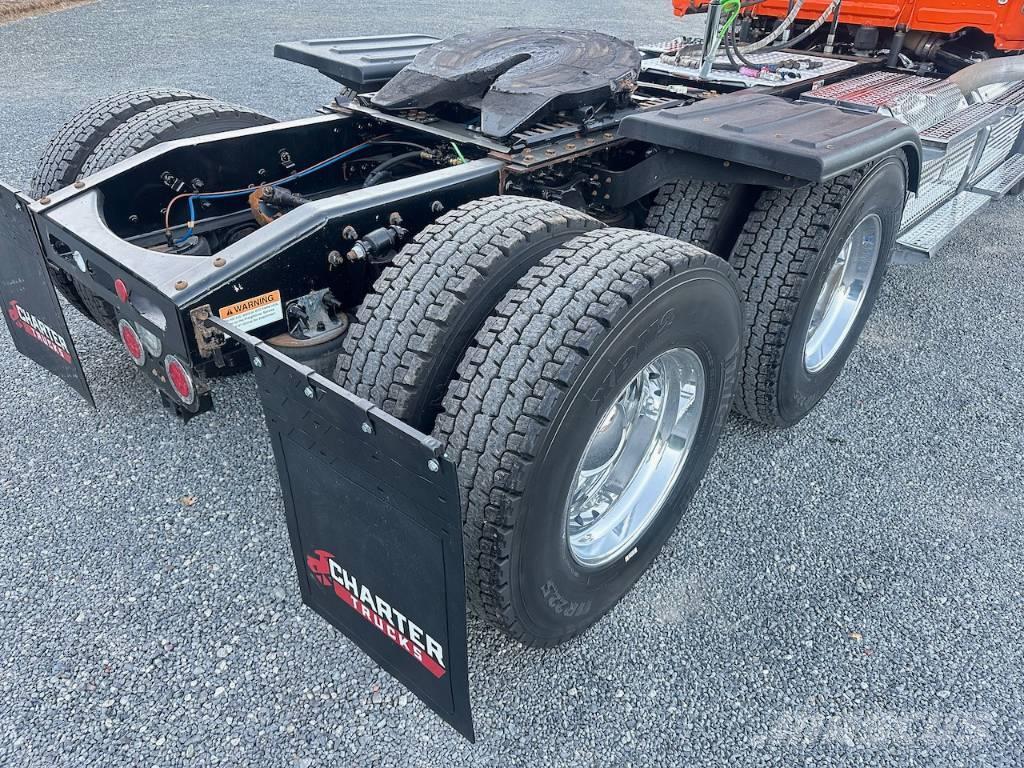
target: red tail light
<point>121,290</point>
<point>181,381</point>
<point>132,342</point>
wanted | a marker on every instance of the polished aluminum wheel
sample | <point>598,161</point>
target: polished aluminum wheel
<point>634,458</point>
<point>843,293</point>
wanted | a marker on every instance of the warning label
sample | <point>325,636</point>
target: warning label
<point>254,312</point>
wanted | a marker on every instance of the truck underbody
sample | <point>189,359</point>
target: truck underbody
<point>277,247</point>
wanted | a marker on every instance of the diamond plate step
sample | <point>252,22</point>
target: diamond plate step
<point>1001,180</point>
<point>923,240</point>
<point>963,123</point>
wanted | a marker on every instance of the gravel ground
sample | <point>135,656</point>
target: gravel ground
<point>845,592</point>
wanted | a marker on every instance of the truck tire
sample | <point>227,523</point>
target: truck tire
<point>426,308</point>
<point>613,324</point>
<point>63,158</point>
<point>810,264</point>
<point>160,122</point>
<point>167,122</point>
<point>707,214</point>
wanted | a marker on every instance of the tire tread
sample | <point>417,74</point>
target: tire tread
<point>511,385</point>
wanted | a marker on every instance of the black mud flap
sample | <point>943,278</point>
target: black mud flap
<point>375,524</point>
<point>30,304</point>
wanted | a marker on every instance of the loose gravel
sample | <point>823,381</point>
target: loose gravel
<point>846,592</point>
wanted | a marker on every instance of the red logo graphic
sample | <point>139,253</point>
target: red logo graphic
<point>38,330</point>
<point>391,622</point>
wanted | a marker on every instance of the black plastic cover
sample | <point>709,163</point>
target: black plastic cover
<point>362,63</point>
<point>375,524</point>
<point>30,304</point>
<point>515,75</point>
<point>811,142</point>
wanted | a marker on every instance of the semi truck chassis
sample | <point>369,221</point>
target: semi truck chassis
<point>275,247</point>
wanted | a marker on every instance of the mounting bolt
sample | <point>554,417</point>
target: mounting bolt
<point>437,207</point>
<point>219,261</point>
<point>79,184</point>
<point>134,219</point>
<point>181,285</point>
<point>367,428</point>
<point>349,233</point>
<point>257,362</point>
<point>309,392</point>
<point>335,259</point>
<point>433,465</point>
<point>44,201</point>
<point>395,219</point>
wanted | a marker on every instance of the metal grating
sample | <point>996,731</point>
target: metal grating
<point>868,92</point>
<point>940,180</point>
<point>962,123</point>
<point>1013,96</point>
<point>1000,144</point>
<point>1001,180</point>
<point>917,101</point>
<point>829,66</point>
<point>923,109</point>
<point>931,234</point>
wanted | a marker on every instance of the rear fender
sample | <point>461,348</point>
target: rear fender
<point>772,141</point>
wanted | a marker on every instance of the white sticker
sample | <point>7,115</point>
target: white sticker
<point>254,312</point>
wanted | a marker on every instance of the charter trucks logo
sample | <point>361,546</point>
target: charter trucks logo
<point>38,330</point>
<point>395,625</point>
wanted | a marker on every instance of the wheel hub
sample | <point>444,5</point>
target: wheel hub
<point>634,458</point>
<point>842,294</point>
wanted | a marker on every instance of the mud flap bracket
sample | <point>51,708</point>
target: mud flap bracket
<point>375,523</point>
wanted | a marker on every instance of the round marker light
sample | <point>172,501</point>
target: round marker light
<point>181,381</point>
<point>121,290</point>
<point>150,340</point>
<point>132,342</point>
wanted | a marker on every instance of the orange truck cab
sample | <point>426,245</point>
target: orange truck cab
<point>1004,21</point>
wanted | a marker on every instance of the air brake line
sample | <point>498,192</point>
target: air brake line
<point>193,196</point>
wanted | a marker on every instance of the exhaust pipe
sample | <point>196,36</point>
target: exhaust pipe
<point>1005,69</point>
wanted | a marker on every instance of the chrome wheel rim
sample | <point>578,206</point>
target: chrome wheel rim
<point>843,293</point>
<point>633,458</point>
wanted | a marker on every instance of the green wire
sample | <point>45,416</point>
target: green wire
<point>729,22</point>
<point>458,151</point>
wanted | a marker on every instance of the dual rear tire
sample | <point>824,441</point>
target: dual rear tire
<point>557,361</point>
<point>810,263</point>
<point>580,377</point>
<point>113,129</point>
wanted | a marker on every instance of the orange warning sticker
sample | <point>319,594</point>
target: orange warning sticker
<point>254,312</point>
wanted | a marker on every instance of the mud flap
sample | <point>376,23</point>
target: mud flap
<point>30,304</point>
<point>375,525</point>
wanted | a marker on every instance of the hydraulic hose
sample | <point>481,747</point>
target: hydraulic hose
<point>815,26</point>
<point>774,34</point>
<point>377,173</point>
<point>1004,69</point>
